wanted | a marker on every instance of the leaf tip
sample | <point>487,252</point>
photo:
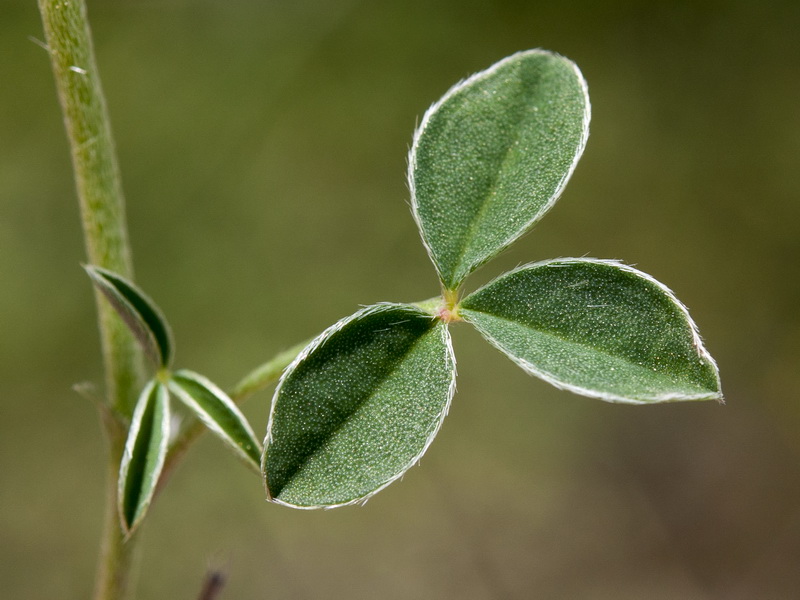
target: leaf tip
<point>341,426</point>
<point>142,316</point>
<point>484,164</point>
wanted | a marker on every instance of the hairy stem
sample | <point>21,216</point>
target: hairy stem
<point>102,214</point>
<point>264,375</point>
<point>105,232</point>
<point>98,183</point>
<point>118,556</point>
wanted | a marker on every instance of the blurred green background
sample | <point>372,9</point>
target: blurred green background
<point>263,148</point>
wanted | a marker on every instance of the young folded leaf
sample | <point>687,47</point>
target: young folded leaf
<point>139,312</point>
<point>143,459</point>
<point>219,413</point>
<point>493,155</point>
<point>597,328</point>
<point>358,407</point>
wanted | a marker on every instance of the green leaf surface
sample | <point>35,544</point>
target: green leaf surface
<point>358,407</point>
<point>143,459</point>
<point>597,328</point>
<point>139,312</point>
<point>219,413</point>
<point>493,155</point>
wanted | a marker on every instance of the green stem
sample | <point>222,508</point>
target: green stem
<point>264,375</point>
<point>103,216</point>
<point>102,213</point>
<point>98,183</point>
<point>118,556</point>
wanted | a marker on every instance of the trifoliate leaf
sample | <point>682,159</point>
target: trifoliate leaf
<point>492,156</point>
<point>219,413</point>
<point>358,407</point>
<point>139,312</point>
<point>597,328</point>
<point>143,458</point>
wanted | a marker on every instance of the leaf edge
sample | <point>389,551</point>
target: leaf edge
<point>153,386</point>
<point>589,393</point>
<point>104,281</point>
<point>418,132</point>
<point>319,341</point>
<point>187,399</point>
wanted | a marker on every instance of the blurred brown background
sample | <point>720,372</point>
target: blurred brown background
<point>263,148</point>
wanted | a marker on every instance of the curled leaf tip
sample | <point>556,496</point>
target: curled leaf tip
<point>142,316</point>
<point>144,455</point>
